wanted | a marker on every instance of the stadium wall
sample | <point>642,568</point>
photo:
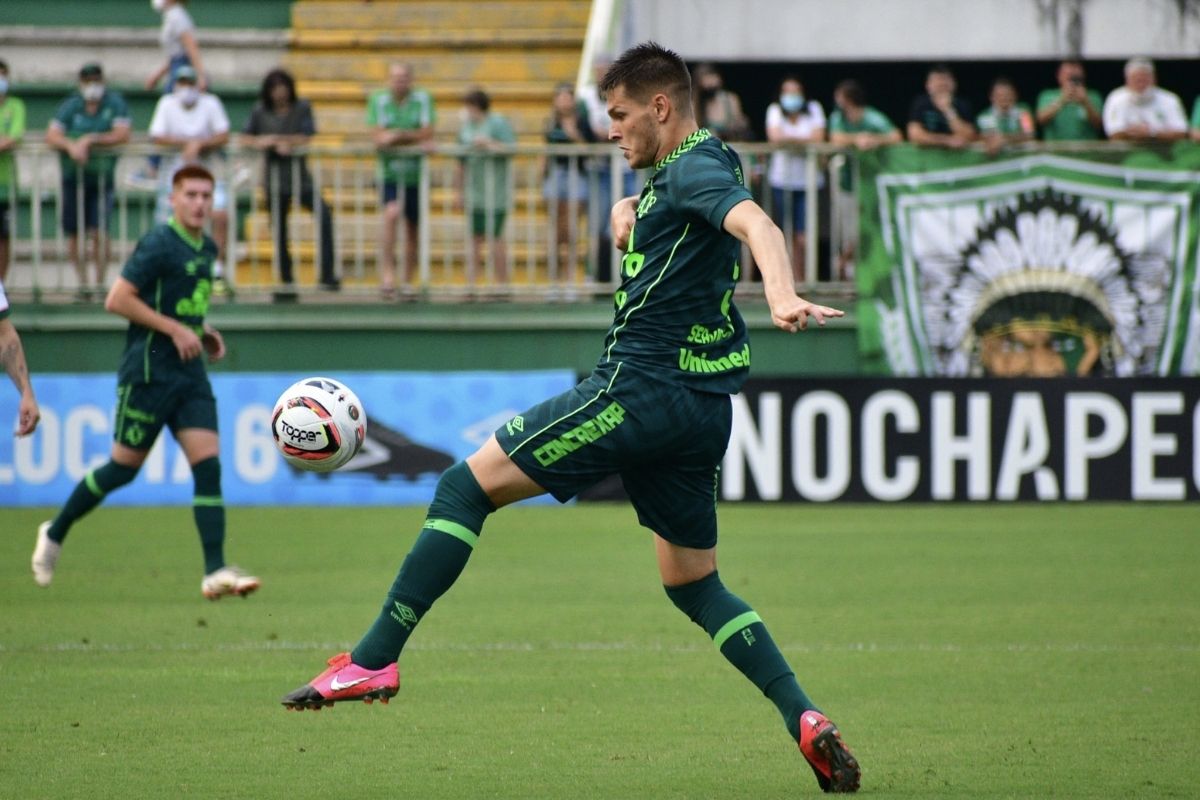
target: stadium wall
<point>437,337</point>
<point>923,30</point>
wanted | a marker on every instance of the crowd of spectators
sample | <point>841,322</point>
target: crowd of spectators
<point>191,124</point>
<point>939,117</point>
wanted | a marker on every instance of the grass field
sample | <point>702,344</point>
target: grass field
<point>994,651</point>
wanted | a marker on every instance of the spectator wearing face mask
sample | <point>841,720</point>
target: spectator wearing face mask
<point>796,121</point>
<point>1140,111</point>
<point>194,125</point>
<point>93,116</point>
<point>12,128</point>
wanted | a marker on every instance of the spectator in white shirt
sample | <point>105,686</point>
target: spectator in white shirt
<point>195,124</point>
<point>1142,112</point>
<point>793,120</point>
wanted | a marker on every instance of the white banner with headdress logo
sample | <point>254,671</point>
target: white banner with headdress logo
<point>1035,264</point>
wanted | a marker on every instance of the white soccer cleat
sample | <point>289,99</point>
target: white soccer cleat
<point>45,555</point>
<point>228,580</point>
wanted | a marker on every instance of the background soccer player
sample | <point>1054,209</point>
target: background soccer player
<point>656,409</point>
<point>12,360</point>
<point>162,380</point>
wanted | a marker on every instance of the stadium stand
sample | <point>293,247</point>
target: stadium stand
<point>340,50</point>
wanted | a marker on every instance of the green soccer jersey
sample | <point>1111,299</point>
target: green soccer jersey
<point>12,126</point>
<point>417,111</point>
<point>486,175</point>
<point>872,121</point>
<point>1017,119</point>
<point>1071,121</point>
<point>675,316</point>
<point>173,275</point>
<point>72,116</point>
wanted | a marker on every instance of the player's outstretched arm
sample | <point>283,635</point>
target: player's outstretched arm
<point>124,301</point>
<point>790,312</point>
<point>12,358</point>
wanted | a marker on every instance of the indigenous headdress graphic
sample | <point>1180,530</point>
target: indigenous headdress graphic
<point>1043,289</point>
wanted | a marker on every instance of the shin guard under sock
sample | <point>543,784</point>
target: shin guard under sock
<point>88,494</point>
<point>438,557</point>
<point>208,509</point>
<point>743,639</point>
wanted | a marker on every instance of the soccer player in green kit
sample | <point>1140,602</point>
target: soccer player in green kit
<point>163,291</point>
<point>656,410</point>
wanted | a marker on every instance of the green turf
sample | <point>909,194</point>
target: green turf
<point>966,651</point>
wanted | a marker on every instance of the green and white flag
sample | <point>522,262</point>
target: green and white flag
<point>1030,264</point>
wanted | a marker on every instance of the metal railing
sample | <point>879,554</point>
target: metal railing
<point>551,204</point>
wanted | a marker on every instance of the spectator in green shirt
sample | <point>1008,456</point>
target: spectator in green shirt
<point>92,116</point>
<point>12,128</point>
<point>400,116</point>
<point>1006,120</point>
<point>1072,112</point>
<point>860,126</point>
<point>484,180</point>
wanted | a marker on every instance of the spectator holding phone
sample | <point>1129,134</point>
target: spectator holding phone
<point>1072,111</point>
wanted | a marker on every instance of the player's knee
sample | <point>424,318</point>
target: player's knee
<point>391,213</point>
<point>460,499</point>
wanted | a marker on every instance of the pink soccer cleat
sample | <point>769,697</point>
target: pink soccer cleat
<point>835,766</point>
<point>345,680</point>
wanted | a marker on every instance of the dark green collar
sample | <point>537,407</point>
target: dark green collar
<point>693,139</point>
<point>197,242</point>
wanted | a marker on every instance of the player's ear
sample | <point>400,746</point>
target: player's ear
<point>662,107</point>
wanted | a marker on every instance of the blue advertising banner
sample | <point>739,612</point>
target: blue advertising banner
<point>419,424</point>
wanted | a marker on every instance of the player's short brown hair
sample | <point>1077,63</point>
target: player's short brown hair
<point>191,171</point>
<point>647,69</point>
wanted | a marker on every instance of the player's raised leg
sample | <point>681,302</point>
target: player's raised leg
<point>694,586</point>
<point>121,468</point>
<point>466,494</point>
<point>202,448</point>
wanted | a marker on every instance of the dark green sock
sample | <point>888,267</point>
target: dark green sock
<point>743,639</point>
<point>88,494</point>
<point>208,509</point>
<point>436,560</point>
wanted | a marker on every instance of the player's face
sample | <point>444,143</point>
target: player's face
<point>634,126</point>
<point>191,202</point>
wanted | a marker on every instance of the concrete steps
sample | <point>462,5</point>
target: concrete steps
<point>340,52</point>
<point>447,15</point>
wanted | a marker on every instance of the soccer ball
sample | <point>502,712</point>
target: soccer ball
<point>318,424</point>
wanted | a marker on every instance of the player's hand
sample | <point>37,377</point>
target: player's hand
<point>793,315</point>
<point>214,344</point>
<point>27,415</point>
<point>624,214</point>
<point>186,342</point>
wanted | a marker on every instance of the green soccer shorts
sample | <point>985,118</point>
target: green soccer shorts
<point>665,441</point>
<point>143,409</point>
